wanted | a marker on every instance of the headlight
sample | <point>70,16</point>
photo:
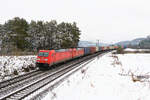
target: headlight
<point>46,59</point>
<point>38,61</point>
<point>38,58</point>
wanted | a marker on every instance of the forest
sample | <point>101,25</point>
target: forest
<point>18,35</point>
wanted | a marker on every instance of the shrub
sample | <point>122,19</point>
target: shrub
<point>26,69</point>
<point>15,72</point>
<point>31,67</point>
<point>120,50</point>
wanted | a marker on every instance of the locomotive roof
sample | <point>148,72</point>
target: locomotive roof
<point>61,50</point>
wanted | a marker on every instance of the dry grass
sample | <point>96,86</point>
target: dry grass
<point>54,95</point>
<point>142,77</point>
<point>25,69</point>
<point>15,72</point>
<point>92,85</point>
<point>116,60</point>
<point>83,71</point>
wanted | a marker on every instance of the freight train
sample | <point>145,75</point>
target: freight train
<point>48,58</point>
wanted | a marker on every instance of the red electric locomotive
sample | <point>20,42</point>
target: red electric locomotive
<point>48,58</point>
<point>77,52</point>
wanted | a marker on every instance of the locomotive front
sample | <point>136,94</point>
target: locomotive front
<point>43,59</point>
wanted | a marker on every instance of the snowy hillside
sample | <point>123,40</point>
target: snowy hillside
<point>132,42</point>
<point>111,77</point>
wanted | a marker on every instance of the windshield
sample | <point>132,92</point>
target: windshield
<point>43,54</point>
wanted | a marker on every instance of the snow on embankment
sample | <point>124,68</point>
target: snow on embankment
<point>108,78</point>
<point>14,65</point>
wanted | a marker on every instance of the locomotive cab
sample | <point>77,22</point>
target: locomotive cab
<point>44,58</point>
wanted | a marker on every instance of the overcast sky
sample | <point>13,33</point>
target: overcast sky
<point>109,21</point>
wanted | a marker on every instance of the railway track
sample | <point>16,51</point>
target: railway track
<point>21,87</point>
<point>5,83</point>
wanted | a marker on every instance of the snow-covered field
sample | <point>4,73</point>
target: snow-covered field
<point>110,77</point>
<point>129,49</point>
<point>11,65</point>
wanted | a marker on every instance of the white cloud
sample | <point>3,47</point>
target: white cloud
<point>107,20</point>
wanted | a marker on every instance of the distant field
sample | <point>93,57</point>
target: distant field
<point>128,50</point>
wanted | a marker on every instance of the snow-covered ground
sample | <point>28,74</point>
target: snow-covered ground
<point>108,78</point>
<point>129,49</point>
<point>10,65</point>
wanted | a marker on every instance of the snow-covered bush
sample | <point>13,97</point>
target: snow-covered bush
<point>14,65</point>
<point>120,50</point>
